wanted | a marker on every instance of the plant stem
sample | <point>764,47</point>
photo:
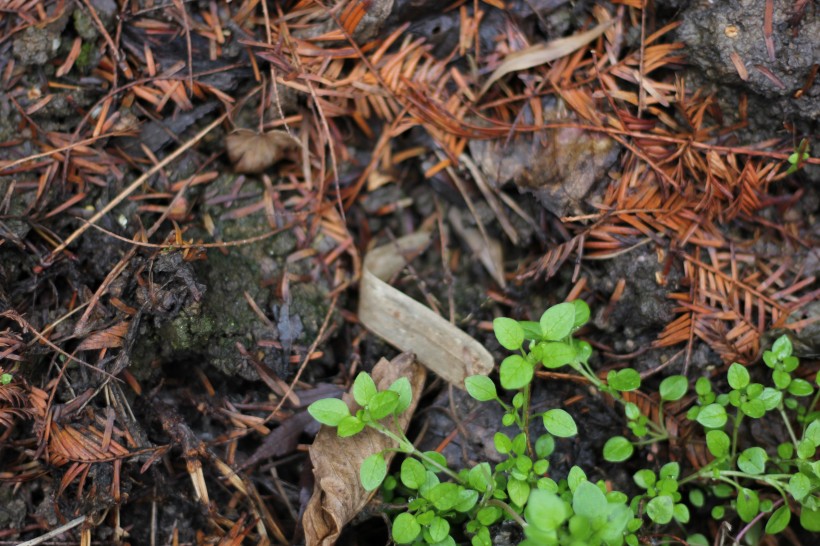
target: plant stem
<point>757,518</point>
<point>738,419</point>
<point>525,409</point>
<point>506,507</point>
<point>788,424</point>
<point>403,441</point>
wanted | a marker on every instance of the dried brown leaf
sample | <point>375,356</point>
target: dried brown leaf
<point>253,152</point>
<point>410,326</point>
<point>337,493</point>
<point>543,53</point>
<point>110,338</point>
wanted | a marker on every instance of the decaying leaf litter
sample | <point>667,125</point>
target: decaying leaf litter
<point>168,310</point>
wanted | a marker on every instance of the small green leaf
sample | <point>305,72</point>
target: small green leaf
<point>444,496</point>
<point>673,388</point>
<point>670,471</point>
<point>383,404</point>
<point>575,476</point>
<point>698,540</point>
<point>519,443</point>
<point>581,313</point>
<point>779,520</point>
<point>560,423</point>
<point>481,388</point>
<point>532,330</point>
<point>364,389</point>
<point>373,471</point>
<point>405,392</point>
<point>660,509</point>
<point>800,387</point>
<point>738,376</point>
<point>782,347</point>
<point>437,458</point>
<point>681,513</point>
<point>712,416</point>
<point>6,378</point>
<point>812,433</point>
<point>467,499</point>
<point>781,379</point>
<point>439,529</point>
<point>405,528</point>
<point>588,501</point>
<point>509,333</point>
<point>480,477</point>
<point>771,398</point>
<point>502,442</point>
<point>696,498</point>
<point>329,411</point>
<point>748,504</point>
<point>519,491</point>
<point>545,511</point>
<point>624,380</point>
<point>753,460</point>
<point>645,478</point>
<point>557,321</point>
<point>349,426</point>
<point>488,515</point>
<point>805,449</point>
<point>753,408</point>
<point>810,519</point>
<point>544,445</point>
<point>718,443</point>
<point>799,486</point>
<point>618,449</point>
<point>515,372</point>
<point>554,354</point>
<point>413,474</point>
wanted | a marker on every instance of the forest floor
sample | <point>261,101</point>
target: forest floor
<point>189,191</point>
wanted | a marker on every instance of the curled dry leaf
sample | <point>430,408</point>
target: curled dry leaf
<point>410,326</point>
<point>253,152</point>
<point>338,494</point>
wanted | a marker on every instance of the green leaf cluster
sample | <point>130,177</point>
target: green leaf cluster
<point>762,488</point>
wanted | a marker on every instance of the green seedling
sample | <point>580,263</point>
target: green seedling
<point>440,505</point>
